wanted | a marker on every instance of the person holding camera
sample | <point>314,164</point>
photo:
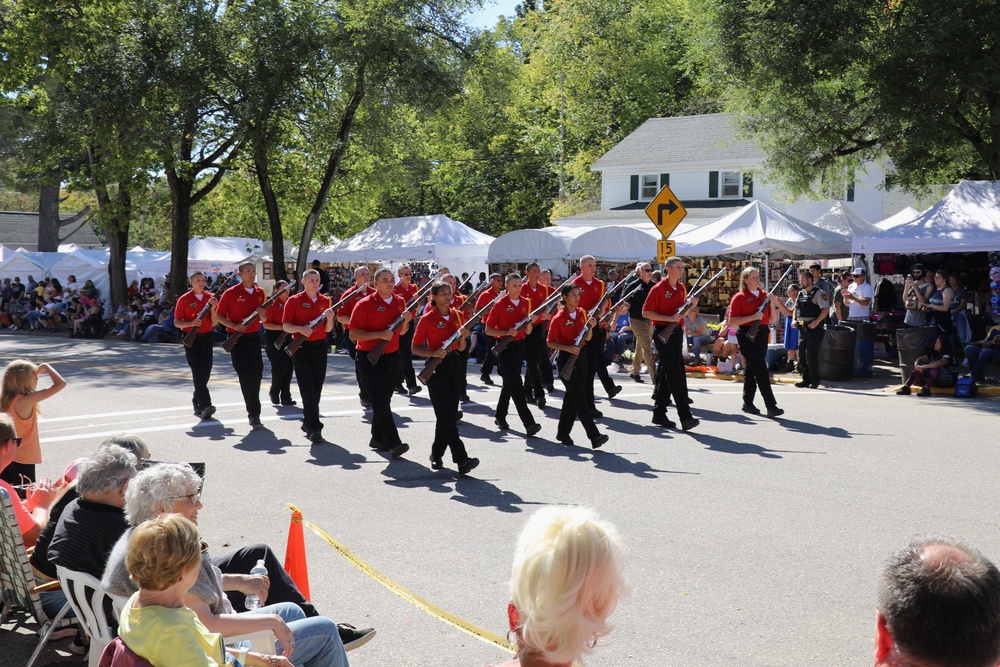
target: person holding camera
<point>916,294</point>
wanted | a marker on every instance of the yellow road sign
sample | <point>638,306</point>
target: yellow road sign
<point>665,211</point>
<point>665,249</point>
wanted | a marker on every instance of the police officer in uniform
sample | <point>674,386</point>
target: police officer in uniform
<point>812,308</point>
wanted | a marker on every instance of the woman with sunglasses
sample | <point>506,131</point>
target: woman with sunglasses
<point>19,397</point>
<point>175,488</point>
<point>33,512</point>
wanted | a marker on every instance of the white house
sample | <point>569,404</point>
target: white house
<point>711,171</point>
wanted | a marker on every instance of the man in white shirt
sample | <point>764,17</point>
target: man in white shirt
<point>858,297</point>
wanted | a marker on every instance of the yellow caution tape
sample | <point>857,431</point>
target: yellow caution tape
<point>410,597</point>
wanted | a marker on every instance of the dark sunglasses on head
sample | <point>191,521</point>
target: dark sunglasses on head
<point>17,441</point>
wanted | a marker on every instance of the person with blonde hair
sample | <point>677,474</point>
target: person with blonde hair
<point>163,559</point>
<point>33,512</point>
<point>565,582</point>
<point>19,397</point>
<point>753,304</point>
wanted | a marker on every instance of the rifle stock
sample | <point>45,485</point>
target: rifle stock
<point>193,332</point>
<point>755,327</point>
<point>236,335</point>
<point>279,342</point>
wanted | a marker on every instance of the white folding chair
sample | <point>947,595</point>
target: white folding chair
<point>86,596</point>
<point>17,583</point>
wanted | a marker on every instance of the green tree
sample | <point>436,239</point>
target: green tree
<point>824,91</point>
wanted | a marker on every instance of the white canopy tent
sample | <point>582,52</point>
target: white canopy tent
<point>549,246</point>
<point>84,264</point>
<point>842,220</point>
<point>907,214</point>
<point>758,228</point>
<point>220,254</point>
<point>617,243</point>
<point>424,238</point>
<point>967,219</point>
<point>21,264</point>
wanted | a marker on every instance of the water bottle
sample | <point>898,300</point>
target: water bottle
<point>252,601</point>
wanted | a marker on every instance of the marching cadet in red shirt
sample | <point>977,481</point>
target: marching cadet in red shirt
<point>496,284</point>
<point>564,327</point>
<point>236,304</point>
<point>664,300</point>
<point>508,311</point>
<point>369,324</point>
<point>436,326</point>
<point>199,355</point>
<point>744,310</point>
<point>310,359</point>
<point>407,290</point>
<point>358,291</point>
<point>457,302</point>
<point>281,366</point>
<point>535,350</point>
<point>591,292</point>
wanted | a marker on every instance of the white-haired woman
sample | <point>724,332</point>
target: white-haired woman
<point>175,488</point>
<point>566,581</point>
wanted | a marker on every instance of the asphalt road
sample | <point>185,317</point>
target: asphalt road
<point>749,540</point>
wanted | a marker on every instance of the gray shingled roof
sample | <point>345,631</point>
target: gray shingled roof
<point>707,210</point>
<point>19,229</point>
<point>680,139</point>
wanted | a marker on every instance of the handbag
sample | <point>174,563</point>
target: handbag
<point>965,387</point>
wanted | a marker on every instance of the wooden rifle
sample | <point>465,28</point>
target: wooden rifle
<point>501,344</point>
<point>193,332</point>
<point>567,371</point>
<point>611,311</point>
<point>452,342</point>
<point>668,330</point>
<point>235,336</point>
<point>313,324</point>
<point>376,352</point>
<point>755,327</point>
<point>474,296</point>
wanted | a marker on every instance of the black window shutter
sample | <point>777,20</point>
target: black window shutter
<point>713,184</point>
<point>664,180</point>
<point>633,187</point>
<point>747,185</point>
<point>850,191</point>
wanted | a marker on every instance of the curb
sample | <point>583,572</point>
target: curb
<point>989,390</point>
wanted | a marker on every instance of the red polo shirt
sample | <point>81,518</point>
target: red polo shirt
<point>485,298</point>
<point>665,299</point>
<point>406,292</point>
<point>188,306</point>
<point>537,295</point>
<point>372,313</point>
<point>236,303</point>
<point>590,294</point>
<point>564,329</point>
<point>356,294</point>
<point>433,329</point>
<point>505,314</point>
<point>276,312</point>
<point>301,310</point>
<point>746,303</point>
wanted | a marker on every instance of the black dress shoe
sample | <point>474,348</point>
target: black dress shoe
<point>596,414</point>
<point>255,421</point>
<point>599,440</point>
<point>315,436</point>
<point>485,379</point>
<point>636,378</point>
<point>365,403</point>
<point>549,388</point>
<point>688,424</point>
<point>399,450</point>
<point>565,440</point>
<point>814,386</point>
<point>663,420</point>
<point>614,391</point>
<point>802,385</point>
<point>400,389</point>
<point>288,401</point>
<point>465,398</point>
<point>532,429</point>
<point>540,402</point>
<point>775,412</point>
<point>412,391</point>
<point>207,412</point>
<point>750,409</point>
<point>436,463</point>
<point>467,465</point>
<point>502,423</point>
<point>274,399</point>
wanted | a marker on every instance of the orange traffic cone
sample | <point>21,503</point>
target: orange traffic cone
<point>295,554</point>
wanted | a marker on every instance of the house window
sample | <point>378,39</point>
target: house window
<point>732,184</point>
<point>650,186</point>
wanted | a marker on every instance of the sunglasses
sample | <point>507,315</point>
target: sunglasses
<point>17,441</point>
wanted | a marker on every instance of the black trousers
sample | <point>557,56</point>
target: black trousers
<point>509,364</point>
<point>379,380</point>
<point>281,365</point>
<point>598,339</point>
<point>310,373</point>
<point>445,388</point>
<point>545,361</point>
<point>489,360</point>
<point>535,350</point>
<point>575,400</point>
<point>670,377</point>
<point>755,375</point>
<point>282,588</point>
<point>248,363</point>
<point>352,351</point>
<point>594,351</point>
<point>406,371</point>
<point>200,358</point>
<point>810,341</point>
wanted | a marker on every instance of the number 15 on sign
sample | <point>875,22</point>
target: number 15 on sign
<point>664,250</point>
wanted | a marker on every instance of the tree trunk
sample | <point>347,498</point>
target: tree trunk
<point>180,229</point>
<point>48,216</point>
<point>273,212</point>
<point>116,219</point>
<point>117,247</point>
<point>332,167</point>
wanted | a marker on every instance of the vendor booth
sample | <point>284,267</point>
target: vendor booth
<point>549,246</point>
